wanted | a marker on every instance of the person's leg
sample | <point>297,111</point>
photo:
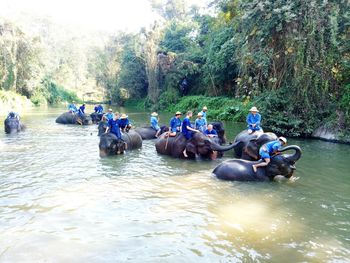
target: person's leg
<point>262,164</point>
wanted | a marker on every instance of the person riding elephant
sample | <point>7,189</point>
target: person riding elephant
<point>200,145</point>
<point>248,144</point>
<point>102,126</point>
<point>96,116</point>
<point>71,118</point>
<point>219,127</point>
<point>12,123</point>
<point>154,130</point>
<point>110,144</point>
<point>242,170</point>
<point>175,124</point>
<point>253,120</point>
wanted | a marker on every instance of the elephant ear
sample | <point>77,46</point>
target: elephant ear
<point>191,148</point>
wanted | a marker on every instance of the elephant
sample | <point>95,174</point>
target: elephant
<point>148,133</point>
<point>111,145</point>
<point>198,144</point>
<point>70,118</point>
<point>13,125</point>
<point>242,170</point>
<point>219,127</point>
<point>248,145</point>
<point>96,117</point>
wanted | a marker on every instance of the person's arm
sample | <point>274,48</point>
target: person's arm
<point>249,122</point>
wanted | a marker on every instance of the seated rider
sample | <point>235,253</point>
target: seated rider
<point>210,132</point>
<point>12,115</point>
<point>253,120</point>
<point>102,126</point>
<point>72,108</point>
<point>109,115</point>
<point>204,114</point>
<point>187,129</point>
<point>200,123</point>
<point>175,124</point>
<point>269,149</point>
<point>154,123</point>
<point>124,123</point>
<point>113,126</point>
<point>81,111</point>
<point>98,109</point>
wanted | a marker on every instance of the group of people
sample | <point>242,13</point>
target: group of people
<point>72,108</point>
<point>115,123</point>
<point>269,149</point>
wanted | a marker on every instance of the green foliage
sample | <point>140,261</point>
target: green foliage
<point>219,108</point>
<point>52,93</point>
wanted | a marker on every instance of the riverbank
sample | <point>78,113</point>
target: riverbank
<point>12,101</point>
<point>228,109</point>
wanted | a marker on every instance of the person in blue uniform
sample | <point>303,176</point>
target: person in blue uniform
<point>269,149</point>
<point>154,123</point>
<point>13,115</point>
<point>113,126</point>
<point>98,109</point>
<point>175,124</point>
<point>72,108</point>
<point>200,123</point>
<point>187,129</point>
<point>253,120</point>
<point>210,132</point>
<point>81,111</point>
<point>110,115</point>
<point>124,123</point>
<point>204,114</point>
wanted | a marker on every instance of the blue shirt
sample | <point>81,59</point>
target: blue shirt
<point>72,107</point>
<point>213,132</point>
<point>200,124</point>
<point>272,146</point>
<point>123,123</point>
<point>154,123</point>
<point>82,109</point>
<point>114,128</point>
<point>109,116</point>
<point>204,116</point>
<point>175,123</point>
<point>186,122</point>
<point>254,119</point>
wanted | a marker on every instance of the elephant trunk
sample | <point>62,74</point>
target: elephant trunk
<point>292,157</point>
<point>217,147</point>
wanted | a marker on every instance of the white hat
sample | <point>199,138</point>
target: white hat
<point>199,114</point>
<point>284,140</point>
<point>124,116</point>
<point>254,109</point>
<point>154,114</point>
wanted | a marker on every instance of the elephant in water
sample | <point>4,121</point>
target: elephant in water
<point>96,117</point>
<point>200,144</point>
<point>13,125</point>
<point>242,170</point>
<point>248,145</point>
<point>111,145</point>
<point>148,133</point>
<point>70,118</point>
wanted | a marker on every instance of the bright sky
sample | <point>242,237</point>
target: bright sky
<point>109,15</point>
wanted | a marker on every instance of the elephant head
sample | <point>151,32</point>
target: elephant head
<point>205,146</point>
<point>283,164</point>
<point>12,125</point>
<point>111,145</point>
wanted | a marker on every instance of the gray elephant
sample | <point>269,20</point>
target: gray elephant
<point>96,117</point>
<point>242,170</point>
<point>111,145</point>
<point>13,125</point>
<point>148,133</point>
<point>248,145</point>
<point>71,118</point>
<point>198,145</point>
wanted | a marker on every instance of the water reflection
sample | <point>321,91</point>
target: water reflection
<point>61,202</point>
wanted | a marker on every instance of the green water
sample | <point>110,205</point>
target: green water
<point>60,202</point>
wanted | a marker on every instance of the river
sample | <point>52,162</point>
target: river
<point>60,202</point>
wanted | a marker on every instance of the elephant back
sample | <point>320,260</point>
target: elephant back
<point>146,133</point>
<point>66,118</point>
<point>132,139</point>
<point>172,146</point>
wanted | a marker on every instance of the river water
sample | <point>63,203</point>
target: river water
<point>60,202</point>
